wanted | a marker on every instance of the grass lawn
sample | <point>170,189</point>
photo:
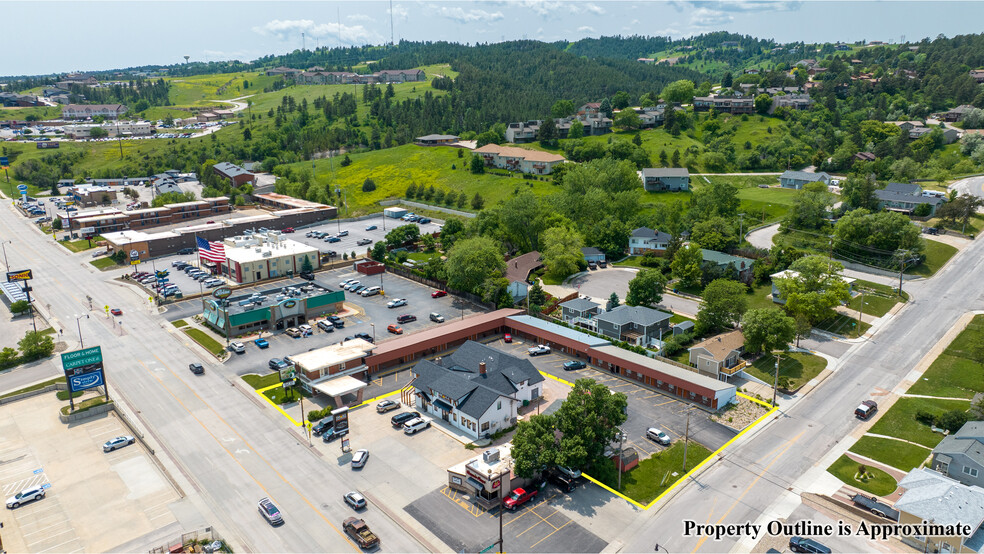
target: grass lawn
<point>765,205</point>
<point>631,261</point>
<point>878,298</point>
<point>900,420</point>
<point>281,396</point>
<point>34,387</point>
<point>841,324</point>
<point>63,394</point>
<point>85,405</point>
<point>937,254</point>
<point>655,474</point>
<point>422,257</point>
<point>740,181</point>
<point>758,297</point>
<point>879,483</point>
<point>179,323</point>
<point>798,367</point>
<point>261,381</point>
<point>206,341</point>
<point>677,318</point>
<point>80,245</point>
<point>974,226</point>
<point>955,373</point>
<point>104,263</point>
<point>898,454</point>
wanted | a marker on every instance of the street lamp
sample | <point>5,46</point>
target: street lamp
<point>3,247</point>
<point>78,325</point>
<point>775,384</point>
<point>373,325</point>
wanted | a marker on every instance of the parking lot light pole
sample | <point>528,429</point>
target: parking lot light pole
<point>775,384</point>
<point>373,325</point>
<point>78,325</point>
<point>3,247</point>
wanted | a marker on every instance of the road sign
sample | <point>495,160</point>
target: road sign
<point>79,358</point>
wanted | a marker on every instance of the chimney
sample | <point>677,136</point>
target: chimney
<point>481,368</point>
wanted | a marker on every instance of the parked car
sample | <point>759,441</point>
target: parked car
<point>602,263</point>
<point>507,338</point>
<point>572,473</point>
<point>439,294</point>
<point>352,286</point>
<point>874,505</point>
<point>399,419</point>
<point>238,347</point>
<point>574,364</point>
<point>424,220</point>
<point>396,303</point>
<point>395,329</point>
<point>387,406</point>
<point>345,282</point>
<point>371,228</point>
<point>360,533</point>
<point>562,481</point>
<point>277,363</point>
<point>364,336</point>
<point>331,434</point>
<point>261,343</point>
<point>416,424</point>
<point>539,349</point>
<point>866,409</point>
<point>343,233</point>
<point>355,500</point>
<point>592,265</point>
<point>305,329</point>
<point>185,251</point>
<point>436,317</point>
<point>655,434</point>
<point>118,442</point>
<point>803,544</point>
<point>293,332</point>
<point>332,239</point>
<point>363,242</point>
<point>25,496</point>
<point>116,311</point>
<point>371,291</point>
<point>270,512</point>
<point>196,368</point>
<point>320,427</point>
<point>326,326</point>
<point>406,318</point>
<point>518,497</point>
<point>359,458</point>
<point>288,230</point>
<point>307,275</point>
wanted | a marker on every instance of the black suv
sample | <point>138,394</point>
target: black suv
<point>184,251</point>
<point>406,318</point>
<point>321,426</point>
<point>307,275</point>
<point>562,481</point>
<point>399,419</point>
<point>196,368</point>
<point>364,336</point>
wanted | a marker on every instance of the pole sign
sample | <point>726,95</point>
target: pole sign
<point>88,232</point>
<point>134,257</point>
<point>340,417</point>
<point>222,293</point>
<point>83,368</point>
<point>23,275</point>
<point>288,375</point>
<point>4,162</point>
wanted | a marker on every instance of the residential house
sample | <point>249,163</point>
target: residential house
<point>236,175</point>
<point>636,325</point>
<point>907,125</point>
<point>796,179</point>
<point>644,240</point>
<point>719,356</point>
<point>960,456</point>
<point>164,186</point>
<point>841,47</point>
<point>790,274</point>
<point>665,179</point>
<point>400,75</point>
<point>905,198</point>
<point>205,117</point>
<point>725,104</point>
<point>949,135</point>
<point>518,290</point>
<point>956,114</point>
<point>12,99</point>
<point>646,60</point>
<point>596,124</point>
<point>579,310</point>
<point>865,157</point>
<point>977,75</point>
<point>743,266</point>
<point>791,101</point>
<point>652,116</point>
<point>591,108</point>
<point>524,131</point>
<point>436,140</point>
<point>929,497</point>
<point>283,72</point>
<point>86,111</point>
<point>519,268</point>
<point>592,254</point>
<point>751,71</point>
<point>478,390</point>
<point>519,159</point>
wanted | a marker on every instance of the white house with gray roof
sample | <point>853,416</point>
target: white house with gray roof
<point>796,179</point>
<point>636,325</point>
<point>662,179</point>
<point>644,240</point>
<point>940,500</point>
<point>478,390</point>
<point>961,455</point>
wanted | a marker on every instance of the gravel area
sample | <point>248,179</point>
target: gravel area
<point>741,415</point>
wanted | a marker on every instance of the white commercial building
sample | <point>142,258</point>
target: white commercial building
<point>265,256</point>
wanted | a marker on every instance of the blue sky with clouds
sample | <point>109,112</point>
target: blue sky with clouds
<point>81,35</point>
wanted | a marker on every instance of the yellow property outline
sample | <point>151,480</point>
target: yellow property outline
<point>689,473</point>
<point>298,423</point>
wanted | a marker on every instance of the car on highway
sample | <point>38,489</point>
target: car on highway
<point>355,500</point>
<point>518,497</point>
<point>118,442</point>
<point>116,311</point>
<point>270,512</point>
<point>539,349</point>
<point>399,419</point>
<point>406,318</point>
<point>293,332</point>
<point>363,242</point>
<point>387,406</point>
<point>657,435</point>
<point>803,544</point>
<point>396,303</point>
<point>574,364</point>
<point>261,343</point>
<point>238,347</point>
<point>360,533</point>
<point>439,294</point>
<point>416,424</point>
<point>360,458</point>
<point>196,368</point>
<point>25,496</point>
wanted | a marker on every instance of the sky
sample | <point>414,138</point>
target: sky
<point>57,37</point>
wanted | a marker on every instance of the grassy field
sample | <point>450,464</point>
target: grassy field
<point>34,387</point>
<point>765,205</point>
<point>206,341</point>
<point>758,297</point>
<point>937,254</point>
<point>898,454</point>
<point>798,367</point>
<point>103,264</point>
<point>655,474</point>
<point>878,298</point>
<point>900,420</point>
<point>879,483</point>
<point>841,324</point>
<point>262,381</point>
<point>81,245</point>
<point>43,112</point>
<point>955,373</point>
<point>631,261</point>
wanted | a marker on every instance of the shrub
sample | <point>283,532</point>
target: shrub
<point>368,185</point>
<point>925,418</point>
<point>953,420</point>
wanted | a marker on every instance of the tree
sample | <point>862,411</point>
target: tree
<point>19,307</point>
<point>679,91</point>
<point>404,234</point>
<point>815,289</point>
<point>767,330</point>
<point>548,132</point>
<point>576,131</point>
<point>562,251</point>
<point>727,80</point>
<point>36,345</point>
<point>686,265</point>
<point>368,185</point>
<point>716,199</point>
<point>172,198</point>
<point>588,421</point>
<point>621,100</point>
<point>537,297</point>
<point>477,165</point>
<point>646,288</point>
<point>346,161</point>
<point>453,229</point>
<point>858,191</point>
<point>763,103</point>
<point>8,356</point>
<point>803,328</point>
<point>960,209</point>
<point>722,305</point>
<point>637,139</point>
<point>715,233</point>
<point>378,251</point>
<point>605,108</point>
<point>627,119</point>
<point>471,261</point>
<point>611,236</point>
<point>889,231</point>
<point>613,302</point>
<point>97,132</point>
<point>562,108</point>
<point>412,189</point>
<point>306,265</point>
<point>810,207</point>
<point>535,445</point>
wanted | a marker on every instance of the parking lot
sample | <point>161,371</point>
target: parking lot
<point>357,230</point>
<point>95,501</point>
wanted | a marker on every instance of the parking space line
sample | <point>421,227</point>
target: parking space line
<point>57,545</point>
<point>67,530</point>
<point>665,403</point>
<point>41,530</point>
<point>551,533</point>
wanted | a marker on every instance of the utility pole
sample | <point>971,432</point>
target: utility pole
<point>860,310</point>
<point>741,228</point>
<point>686,441</point>
<point>775,384</point>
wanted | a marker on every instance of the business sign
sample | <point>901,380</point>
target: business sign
<point>287,373</point>
<point>22,189</point>
<point>340,417</point>
<point>222,293</point>
<point>22,275</point>
<point>4,162</point>
<point>88,232</point>
<point>79,358</point>
<point>86,381</point>
<point>288,304</point>
<point>83,368</point>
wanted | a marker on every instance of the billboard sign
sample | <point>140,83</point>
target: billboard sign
<point>287,373</point>
<point>340,417</point>
<point>22,275</point>
<point>222,293</point>
<point>85,381</point>
<point>88,232</point>
<point>79,358</point>
<point>83,368</point>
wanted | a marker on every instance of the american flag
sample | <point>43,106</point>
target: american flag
<point>211,251</point>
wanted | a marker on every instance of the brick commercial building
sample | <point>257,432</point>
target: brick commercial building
<point>266,256</point>
<point>139,219</point>
<point>236,175</point>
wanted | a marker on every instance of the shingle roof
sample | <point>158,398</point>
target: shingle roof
<point>639,315</point>
<point>904,188</point>
<point>230,169</point>
<point>591,251</point>
<point>514,152</point>
<point>890,196</point>
<point>665,172</point>
<point>807,176</point>
<point>579,305</point>
<point>720,346</point>
<point>519,268</point>
<point>969,440</point>
<point>934,497</point>
<point>647,233</point>
<point>721,258</point>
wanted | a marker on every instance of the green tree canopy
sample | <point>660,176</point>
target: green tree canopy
<point>589,420</point>
<point>715,233</point>
<point>767,329</point>
<point>646,288</point>
<point>810,207</point>
<point>679,91</point>
<point>471,261</point>
<point>562,253</point>
<point>816,288</point>
<point>453,229</point>
<point>36,345</point>
<point>627,119</point>
<point>19,307</point>
<point>402,235</point>
<point>686,265</point>
<point>562,108</point>
<point>722,304</point>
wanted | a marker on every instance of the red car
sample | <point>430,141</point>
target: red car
<point>116,311</point>
<point>519,497</point>
<point>507,338</point>
<point>438,294</point>
<point>289,230</point>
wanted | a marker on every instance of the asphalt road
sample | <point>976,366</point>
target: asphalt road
<point>970,185</point>
<point>753,478</point>
<point>224,442</point>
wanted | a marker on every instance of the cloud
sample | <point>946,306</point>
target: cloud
<point>400,12</point>
<point>585,29</point>
<point>553,8</point>
<point>360,17</point>
<point>290,29</point>
<point>706,17</point>
<point>592,8</point>
<point>745,6</point>
<point>470,16</point>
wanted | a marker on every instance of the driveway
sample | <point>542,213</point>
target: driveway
<point>762,238</point>
<point>601,283</point>
<point>970,185</point>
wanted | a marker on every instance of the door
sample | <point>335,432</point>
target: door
<point>444,415</point>
<point>535,393</point>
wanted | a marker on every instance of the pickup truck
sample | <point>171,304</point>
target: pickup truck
<point>875,506</point>
<point>360,533</point>
<point>518,497</point>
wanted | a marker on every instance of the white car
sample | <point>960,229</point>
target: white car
<point>658,435</point>
<point>238,347</point>
<point>396,303</point>
<point>539,349</point>
<point>118,442</point>
<point>345,282</point>
<point>416,424</point>
<point>353,285</point>
<point>25,496</point>
<point>360,458</point>
<point>305,329</point>
<point>356,500</point>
